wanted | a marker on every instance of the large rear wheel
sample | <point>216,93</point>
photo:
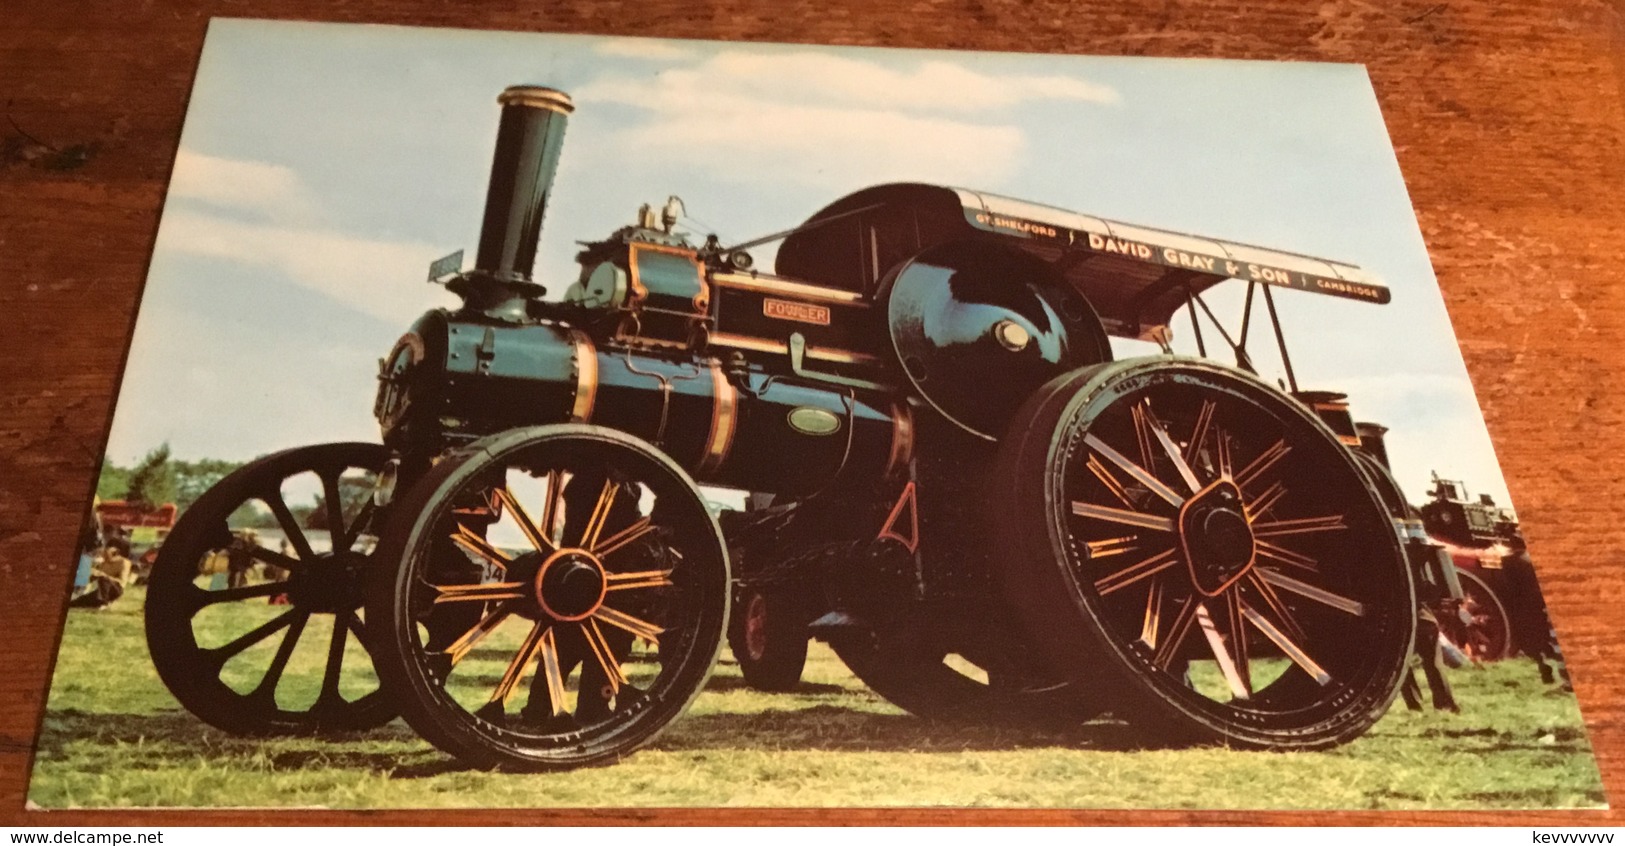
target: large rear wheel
<point>1206,553</point>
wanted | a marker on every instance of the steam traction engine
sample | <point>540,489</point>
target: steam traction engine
<point>984,514</point>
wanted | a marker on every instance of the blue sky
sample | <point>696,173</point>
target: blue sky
<point>322,167</point>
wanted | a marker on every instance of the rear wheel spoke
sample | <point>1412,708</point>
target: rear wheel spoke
<point>1228,666</point>
<point>1170,449</point>
<point>1127,518</point>
<point>1287,645</point>
<point>1136,571</point>
<point>1177,633</point>
<point>1309,591</point>
<point>1138,473</point>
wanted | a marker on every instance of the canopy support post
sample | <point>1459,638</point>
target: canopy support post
<point>1280,340</point>
<point>1196,323</point>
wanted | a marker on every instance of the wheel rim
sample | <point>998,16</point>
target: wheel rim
<point>1489,636</point>
<point>1228,550</point>
<point>756,627</point>
<point>277,642</point>
<point>562,598</point>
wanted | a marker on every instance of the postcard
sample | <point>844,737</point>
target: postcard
<point>538,420</point>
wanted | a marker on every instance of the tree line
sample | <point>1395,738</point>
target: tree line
<point>159,478</point>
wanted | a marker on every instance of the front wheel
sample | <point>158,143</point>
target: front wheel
<point>1206,553</point>
<point>560,597</point>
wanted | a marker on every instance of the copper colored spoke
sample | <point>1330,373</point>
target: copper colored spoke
<point>1263,462</point>
<point>536,537</point>
<point>1153,614</point>
<point>1176,633</point>
<point>1287,645</point>
<point>1226,466</point>
<point>605,655</point>
<point>1110,546</point>
<point>642,579</point>
<point>1172,451</point>
<point>552,672</point>
<point>460,648</point>
<point>1299,526</point>
<point>1104,474</point>
<point>1273,602</point>
<point>1285,556</point>
<point>1237,636</point>
<point>1140,474</point>
<point>516,668</point>
<point>1135,572</point>
<point>470,540</point>
<point>550,511</point>
<point>485,592</point>
<point>1262,503</point>
<point>1142,434</point>
<point>626,622</point>
<point>625,536</point>
<point>1204,418</point>
<point>600,513</point>
<point>1127,518</point>
<point>1239,687</point>
<point>1309,591</point>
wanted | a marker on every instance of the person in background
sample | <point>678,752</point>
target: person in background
<point>90,540</point>
<point>109,575</point>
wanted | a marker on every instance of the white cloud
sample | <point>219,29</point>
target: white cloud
<point>272,190</point>
<point>824,146</point>
<point>736,78</point>
<point>821,119</point>
<point>372,276</point>
<point>832,120</point>
<point>652,49</point>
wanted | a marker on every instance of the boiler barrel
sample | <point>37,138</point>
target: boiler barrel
<point>755,431</point>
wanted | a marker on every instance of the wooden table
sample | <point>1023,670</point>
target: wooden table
<point>1509,120</point>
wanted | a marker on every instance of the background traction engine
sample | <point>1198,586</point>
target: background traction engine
<point>984,514</point>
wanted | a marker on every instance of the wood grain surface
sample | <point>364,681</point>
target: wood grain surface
<point>1508,118</point>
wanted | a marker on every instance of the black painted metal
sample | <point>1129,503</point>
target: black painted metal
<point>529,139</point>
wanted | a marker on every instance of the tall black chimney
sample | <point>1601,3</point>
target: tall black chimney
<point>529,138</point>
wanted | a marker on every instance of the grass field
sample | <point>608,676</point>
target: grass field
<point>113,737</point>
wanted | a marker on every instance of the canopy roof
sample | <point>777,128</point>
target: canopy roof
<point>1136,277</point>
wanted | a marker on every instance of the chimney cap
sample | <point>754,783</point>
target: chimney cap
<point>537,96</point>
